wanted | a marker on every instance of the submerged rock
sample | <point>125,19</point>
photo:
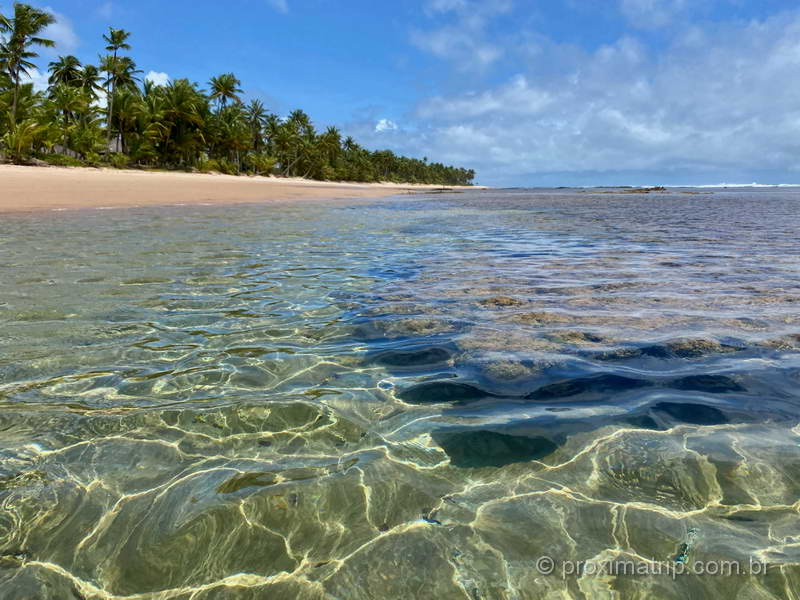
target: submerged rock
<point>684,348</point>
<point>418,357</point>
<point>605,383</point>
<point>693,348</point>
<point>694,414</point>
<point>542,318</point>
<point>500,301</point>
<point>435,392</point>
<point>713,384</point>
<point>245,480</point>
<point>472,449</point>
<point>399,328</point>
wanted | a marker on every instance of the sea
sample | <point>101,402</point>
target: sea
<point>477,395</point>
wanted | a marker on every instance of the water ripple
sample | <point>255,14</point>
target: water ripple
<point>410,398</point>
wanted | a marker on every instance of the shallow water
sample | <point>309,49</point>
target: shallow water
<point>422,397</point>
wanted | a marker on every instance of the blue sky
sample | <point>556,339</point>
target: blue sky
<point>527,92</point>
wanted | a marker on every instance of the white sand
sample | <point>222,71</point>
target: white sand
<point>24,189</point>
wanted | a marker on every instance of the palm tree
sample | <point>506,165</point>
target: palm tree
<point>116,40</point>
<point>89,81</point>
<point>303,122</point>
<point>68,101</point>
<point>122,71</point>
<point>271,127</point>
<point>331,143</point>
<point>256,116</point>
<point>128,107</point>
<point>151,127</point>
<point>225,87</point>
<point>350,144</point>
<point>182,112</point>
<point>66,70</point>
<point>20,33</point>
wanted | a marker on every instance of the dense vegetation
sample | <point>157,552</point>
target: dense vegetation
<point>106,114</point>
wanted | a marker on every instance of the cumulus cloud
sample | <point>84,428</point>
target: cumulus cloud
<point>282,6</point>
<point>724,98</point>
<point>37,78</point>
<point>465,41</point>
<point>62,33</point>
<point>105,10</point>
<point>649,14</point>
<point>385,125</point>
<point>157,78</point>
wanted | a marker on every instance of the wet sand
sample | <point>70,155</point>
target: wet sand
<point>24,189</point>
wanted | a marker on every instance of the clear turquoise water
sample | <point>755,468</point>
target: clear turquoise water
<point>404,398</point>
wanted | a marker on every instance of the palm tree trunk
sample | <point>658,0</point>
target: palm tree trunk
<point>110,89</point>
<point>15,100</point>
<point>110,119</point>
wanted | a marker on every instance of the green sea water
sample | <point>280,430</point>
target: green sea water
<point>489,395</point>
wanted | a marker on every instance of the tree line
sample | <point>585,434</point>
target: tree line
<point>108,114</point>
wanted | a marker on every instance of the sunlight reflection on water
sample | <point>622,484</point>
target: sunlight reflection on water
<point>365,400</point>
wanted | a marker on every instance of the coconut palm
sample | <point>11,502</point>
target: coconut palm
<point>303,122</point>
<point>90,81</point>
<point>256,115</point>
<point>225,87</point>
<point>126,112</point>
<point>183,113</point>
<point>20,34</point>
<point>116,40</point>
<point>68,102</point>
<point>122,72</point>
<point>66,70</point>
<point>331,143</point>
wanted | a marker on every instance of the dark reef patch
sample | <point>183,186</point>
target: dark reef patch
<point>713,384</point>
<point>683,348</point>
<point>473,449</point>
<point>436,392</point>
<point>606,383</point>
<point>430,356</point>
<point>694,414</point>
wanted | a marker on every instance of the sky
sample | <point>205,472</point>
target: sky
<point>526,92</point>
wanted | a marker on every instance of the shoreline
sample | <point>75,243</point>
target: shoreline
<point>25,189</point>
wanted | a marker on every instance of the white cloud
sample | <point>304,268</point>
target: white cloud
<point>105,10</point>
<point>38,79</point>
<point>722,98</point>
<point>385,125</point>
<point>282,6</point>
<point>465,41</point>
<point>62,33</point>
<point>157,78</point>
<point>515,97</point>
<point>650,14</point>
<point>441,6</point>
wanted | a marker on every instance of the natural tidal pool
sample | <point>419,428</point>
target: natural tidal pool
<point>486,395</point>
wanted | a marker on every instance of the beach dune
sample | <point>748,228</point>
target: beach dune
<point>24,189</point>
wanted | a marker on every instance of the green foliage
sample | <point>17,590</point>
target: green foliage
<point>207,165</point>
<point>226,167</point>
<point>119,160</point>
<point>93,159</point>
<point>174,126</point>
<point>18,142</point>
<point>19,34</point>
<point>61,160</point>
<point>260,164</point>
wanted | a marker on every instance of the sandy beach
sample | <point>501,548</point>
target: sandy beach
<point>24,189</point>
